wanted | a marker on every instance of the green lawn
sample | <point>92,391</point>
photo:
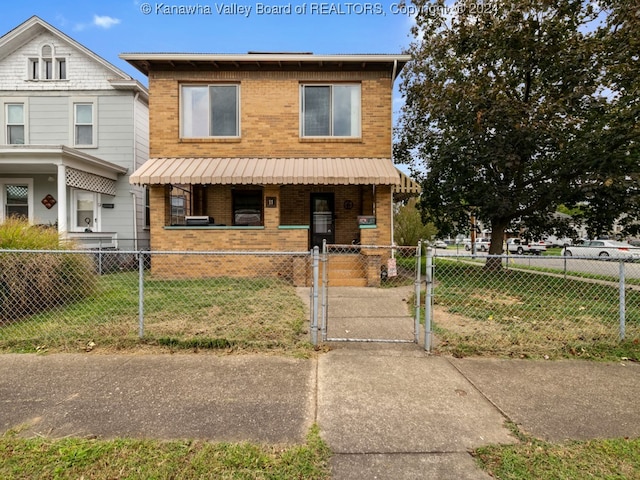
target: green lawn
<point>533,459</point>
<point>239,314</point>
<point>74,458</point>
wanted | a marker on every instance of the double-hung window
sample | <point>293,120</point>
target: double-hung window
<point>16,198</point>
<point>210,111</point>
<point>330,110</point>
<point>15,123</point>
<point>83,120</point>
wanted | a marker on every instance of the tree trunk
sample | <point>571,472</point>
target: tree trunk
<point>497,238</point>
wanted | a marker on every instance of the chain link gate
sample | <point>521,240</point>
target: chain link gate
<point>368,293</point>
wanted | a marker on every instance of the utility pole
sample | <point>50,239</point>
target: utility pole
<point>472,219</point>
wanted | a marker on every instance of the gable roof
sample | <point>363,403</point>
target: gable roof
<point>35,26</point>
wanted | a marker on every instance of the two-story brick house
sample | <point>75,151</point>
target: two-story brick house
<point>269,151</point>
<point>74,127</point>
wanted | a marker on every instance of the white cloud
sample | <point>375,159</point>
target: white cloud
<point>105,21</point>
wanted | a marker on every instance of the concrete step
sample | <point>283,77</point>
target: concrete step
<point>346,270</point>
<point>347,282</point>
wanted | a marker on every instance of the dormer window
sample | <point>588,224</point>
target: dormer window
<point>47,66</point>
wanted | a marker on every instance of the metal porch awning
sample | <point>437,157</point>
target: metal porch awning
<point>268,171</point>
<point>407,187</point>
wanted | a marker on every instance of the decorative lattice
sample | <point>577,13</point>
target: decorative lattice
<point>90,182</point>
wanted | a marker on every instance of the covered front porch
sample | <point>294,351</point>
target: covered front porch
<point>275,205</point>
<point>59,186</point>
<point>266,203</point>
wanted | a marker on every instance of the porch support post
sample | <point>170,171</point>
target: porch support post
<point>272,210</point>
<point>63,227</point>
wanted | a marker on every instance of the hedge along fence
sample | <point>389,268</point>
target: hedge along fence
<point>36,281</point>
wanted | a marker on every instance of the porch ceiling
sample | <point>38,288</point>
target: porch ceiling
<point>268,171</point>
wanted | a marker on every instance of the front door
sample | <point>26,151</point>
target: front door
<point>322,219</point>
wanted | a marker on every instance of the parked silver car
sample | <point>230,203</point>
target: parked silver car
<point>601,248</point>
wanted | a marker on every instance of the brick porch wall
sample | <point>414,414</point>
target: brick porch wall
<point>290,210</point>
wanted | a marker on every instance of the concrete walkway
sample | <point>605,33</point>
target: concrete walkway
<point>386,410</point>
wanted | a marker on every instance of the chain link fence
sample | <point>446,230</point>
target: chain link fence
<point>109,300</point>
<point>387,312</point>
<point>115,299</point>
<point>534,305</point>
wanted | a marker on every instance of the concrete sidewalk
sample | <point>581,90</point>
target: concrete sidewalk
<point>387,411</point>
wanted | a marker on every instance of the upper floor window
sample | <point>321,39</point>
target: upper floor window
<point>83,124</point>
<point>210,111</point>
<point>15,123</point>
<point>330,110</point>
<point>47,66</point>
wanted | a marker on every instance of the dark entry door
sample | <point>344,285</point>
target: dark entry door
<point>322,219</point>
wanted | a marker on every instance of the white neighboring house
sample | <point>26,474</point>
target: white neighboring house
<point>74,127</point>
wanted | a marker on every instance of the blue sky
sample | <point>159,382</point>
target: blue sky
<point>109,28</point>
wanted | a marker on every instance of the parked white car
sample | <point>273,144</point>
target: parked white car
<point>440,244</point>
<point>553,241</point>
<point>520,247</point>
<point>482,245</point>
<point>601,248</point>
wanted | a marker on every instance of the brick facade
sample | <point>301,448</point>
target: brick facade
<point>269,128</point>
<point>269,116</point>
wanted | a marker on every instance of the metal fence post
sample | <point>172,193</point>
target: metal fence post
<point>416,328</point>
<point>140,294</point>
<point>314,308</point>
<point>323,290</point>
<point>100,257</point>
<point>428,301</point>
<point>622,301</point>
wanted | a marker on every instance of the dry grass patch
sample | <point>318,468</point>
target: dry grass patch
<point>514,313</point>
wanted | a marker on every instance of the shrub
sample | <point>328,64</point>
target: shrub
<point>17,234</point>
<point>408,226</point>
<point>35,282</point>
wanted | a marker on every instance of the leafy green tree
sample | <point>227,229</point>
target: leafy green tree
<point>501,103</point>
<point>408,228</point>
<point>614,138</point>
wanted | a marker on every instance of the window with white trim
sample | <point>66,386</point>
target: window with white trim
<point>15,119</point>
<point>85,213</point>
<point>47,66</point>
<point>210,111</point>
<point>16,198</point>
<point>83,120</point>
<point>330,110</point>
